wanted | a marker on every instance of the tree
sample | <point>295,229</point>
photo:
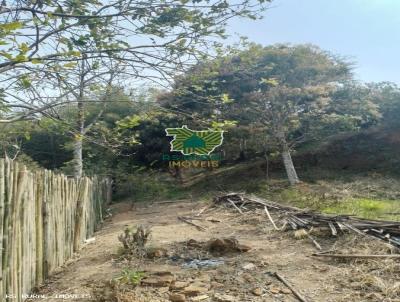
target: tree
<point>294,93</point>
<point>44,42</point>
<point>386,96</point>
<point>154,39</point>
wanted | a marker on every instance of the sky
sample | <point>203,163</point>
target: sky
<point>365,31</point>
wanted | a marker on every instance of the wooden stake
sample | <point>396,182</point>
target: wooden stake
<point>294,291</point>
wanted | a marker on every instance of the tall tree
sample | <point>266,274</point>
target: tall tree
<point>153,40</point>
<point>293,93</point>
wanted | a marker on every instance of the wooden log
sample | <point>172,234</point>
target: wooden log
<point>360,256</point>
<point>235,206</point>
<point>185,220</point>
<point>317,245</point>
<point>270,218</point>
<point>291,287</point>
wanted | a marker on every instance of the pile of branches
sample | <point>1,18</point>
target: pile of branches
<point>296,218</point>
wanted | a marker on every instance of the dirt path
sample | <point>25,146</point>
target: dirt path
<point>242,277</point>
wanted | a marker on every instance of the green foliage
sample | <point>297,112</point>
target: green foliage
<point>145,186</point>
<point>131,277</point>
<point>45,41</point>
<point>386,96</point>
<point>367,208</point>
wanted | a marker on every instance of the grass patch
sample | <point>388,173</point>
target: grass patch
<point>367,208</point>
<point>331,199</point>
<point>142,187</point>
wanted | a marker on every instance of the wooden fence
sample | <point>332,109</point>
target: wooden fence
<point>44,218</point>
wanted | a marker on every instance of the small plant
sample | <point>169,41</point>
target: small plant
<point>130,277</point>
<point>134,241</point>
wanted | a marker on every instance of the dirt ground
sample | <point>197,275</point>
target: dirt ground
<point>239,276</point>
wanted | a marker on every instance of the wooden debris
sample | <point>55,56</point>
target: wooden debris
<point>333,229</point>
<point>202,210</point>
<point>186,220</point>
<point>270,218</point>
<point>388,231</point>
<point>314,241</point>
<point>284,281</point>
<point>360,256</point>
<point>233,204</point>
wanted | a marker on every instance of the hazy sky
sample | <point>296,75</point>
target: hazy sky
<point>366,31</point>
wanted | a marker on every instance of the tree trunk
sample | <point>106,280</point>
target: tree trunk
<point>78,162</point>
<point>290,169</point>
<point>80,127</point>
<point>267,165</point>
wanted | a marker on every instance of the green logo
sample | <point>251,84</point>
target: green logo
<point>188,141</point>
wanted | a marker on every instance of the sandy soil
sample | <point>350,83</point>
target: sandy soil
<point>244,276</point>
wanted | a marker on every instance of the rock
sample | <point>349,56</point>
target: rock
<point>375,296</point>
<point>249,266</point>
<point>156,252</point>
<point>159,279</point>
<point>224,298</point>
<point>90,240</point>
<point>163,290</point>
<point>195,289</point>
<point>225,246</point>
<point>215,284</point>
<point>175,297</point>
<point>257,291</point>
<point>248,277</point>
<point>200,298</point>
<point>274,290</point>
<point>220,277</point>
<point>177,285</point>
<point>204,278</point>
<point>300,234</point>
<point>193,243</point>
<point>240,280</point>
<point>243,248</point>
<point>286,291</point>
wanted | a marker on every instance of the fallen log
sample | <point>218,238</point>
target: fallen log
<point>360,256</point>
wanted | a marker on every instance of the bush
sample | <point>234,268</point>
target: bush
<point>146,186</point>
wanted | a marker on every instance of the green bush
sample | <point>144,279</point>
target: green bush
<point>146,186</point>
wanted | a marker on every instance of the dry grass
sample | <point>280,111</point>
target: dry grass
<point>366,279</point>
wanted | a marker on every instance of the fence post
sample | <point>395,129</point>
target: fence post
<point>44,218</point>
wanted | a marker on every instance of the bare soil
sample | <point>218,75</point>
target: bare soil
<point>243,276</point>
